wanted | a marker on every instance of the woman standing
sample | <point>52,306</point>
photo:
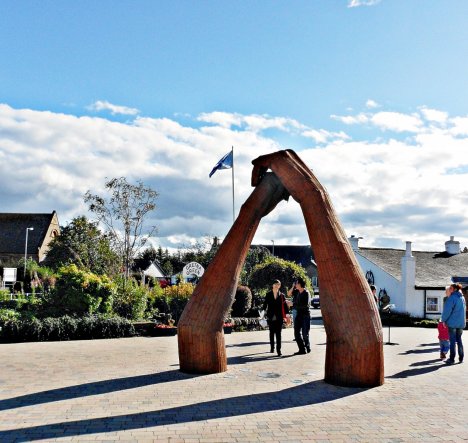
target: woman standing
<point>276,310</point>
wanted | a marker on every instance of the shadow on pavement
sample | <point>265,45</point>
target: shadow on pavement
<point>420,351</point>
<point>426,362</point>
<point>93,388</point>
<point>302,395</point>
<point>250,343</point>
<point>417,371</point>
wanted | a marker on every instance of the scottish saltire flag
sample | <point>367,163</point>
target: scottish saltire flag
<point>224,163</point>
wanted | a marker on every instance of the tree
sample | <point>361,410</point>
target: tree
<point>274,268</point>
<point>146,257</point>
<point>255,256</point>
<point>82,243</point>
<point>123,214</point>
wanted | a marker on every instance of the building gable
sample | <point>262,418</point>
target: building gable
<point>13,233</point>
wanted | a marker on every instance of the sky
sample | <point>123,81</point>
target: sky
<point>370,94</point>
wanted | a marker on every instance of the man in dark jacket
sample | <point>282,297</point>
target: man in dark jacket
<point>301,303</point>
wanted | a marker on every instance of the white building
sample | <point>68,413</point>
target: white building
<point>415,281</point>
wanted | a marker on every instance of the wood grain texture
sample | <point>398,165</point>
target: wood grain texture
<point>200,328</point>
<point>354,355</point>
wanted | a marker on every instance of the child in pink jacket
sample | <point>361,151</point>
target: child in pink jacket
<point>444,339</point>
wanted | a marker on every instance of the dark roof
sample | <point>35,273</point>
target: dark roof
<point>302,255</point>
<point>433,269</point>
<point>13,232</point>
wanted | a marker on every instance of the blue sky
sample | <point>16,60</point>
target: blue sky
<point>371,94</point>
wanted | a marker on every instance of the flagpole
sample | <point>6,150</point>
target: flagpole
<point>233,211</point>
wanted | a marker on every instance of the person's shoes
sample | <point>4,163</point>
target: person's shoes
<point>272,350</point>
<point>279,354</point>
<point>308,349</point>
<point>442,355</point>
<point>460,360</point>
<point>449,362</point>
<point>300,353</point>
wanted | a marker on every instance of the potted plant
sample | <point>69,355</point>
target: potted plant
<point>165,330</point>
<point>228,326</point>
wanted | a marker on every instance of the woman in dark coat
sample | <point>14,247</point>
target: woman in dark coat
<point>276,310</point>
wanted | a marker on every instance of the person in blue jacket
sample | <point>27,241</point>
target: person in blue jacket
<point>454,316</point>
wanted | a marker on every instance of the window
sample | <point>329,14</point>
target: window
<point>432,304</point>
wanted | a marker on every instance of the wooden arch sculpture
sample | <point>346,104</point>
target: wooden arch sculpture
<point>354,353</point>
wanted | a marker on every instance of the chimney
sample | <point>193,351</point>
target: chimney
<point>452,246</point>
<point>408,277</point>
<point>354,242</point>
<point>408,249</point>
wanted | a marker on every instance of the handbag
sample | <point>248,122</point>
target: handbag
<point>263,323</point>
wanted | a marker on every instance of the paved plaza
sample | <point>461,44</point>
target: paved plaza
<point>131,390</point>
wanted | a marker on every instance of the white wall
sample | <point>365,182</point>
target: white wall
<point>383,280</point>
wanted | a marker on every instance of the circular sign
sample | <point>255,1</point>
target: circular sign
<point>193,268</point>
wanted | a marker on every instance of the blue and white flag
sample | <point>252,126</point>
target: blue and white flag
<point>224,163</point>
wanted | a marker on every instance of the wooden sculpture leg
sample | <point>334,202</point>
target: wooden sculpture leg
<point>200,328</point>
<point>354,355</point>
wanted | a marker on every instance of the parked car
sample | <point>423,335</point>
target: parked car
<point>315,302</point>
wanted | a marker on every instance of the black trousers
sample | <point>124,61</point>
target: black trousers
<point>276,326</point>
<point>301,330</point>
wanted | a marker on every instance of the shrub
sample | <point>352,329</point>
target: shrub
<point>425,323</point>
<point>131,299</point>
<point>81,292</point>
<point>5,294</point>
<point>173,299</point>
<point>396,319</point>
<point>242,301</point>
<point>65,328</point>
<point>246,324</point>
<point>273,268</point>
<point>8,314</point>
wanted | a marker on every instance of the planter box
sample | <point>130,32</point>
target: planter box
<point>144,328</point>
<point>227,329</point>
<point>164,332</point>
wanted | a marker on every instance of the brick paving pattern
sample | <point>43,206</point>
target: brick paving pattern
<point>131,390</point>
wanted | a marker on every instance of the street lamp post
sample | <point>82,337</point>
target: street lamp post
<point>273,248</point>
<point>26,250</point>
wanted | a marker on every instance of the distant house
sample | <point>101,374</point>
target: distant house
<point>147,269</point>
<point>13,228</point>
<point>154,271</point>
<point>414,281</point>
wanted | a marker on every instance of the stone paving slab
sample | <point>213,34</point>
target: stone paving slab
<point>129,390</point>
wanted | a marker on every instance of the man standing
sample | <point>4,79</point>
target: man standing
<point>454,316</point>
<point>302,322</point>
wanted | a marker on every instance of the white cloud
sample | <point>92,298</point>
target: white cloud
<point>357,3</point>
<point>371,104</point>
<point>351,119</point>
<point>323,136</point>
<point>224,119</point>
<point>391,121</point>
<point>254,122</point>
<point>460,126</point>
<point>103,105</point>
<point>433,115</point>
<point>387,191</point>
<point>396,121</point>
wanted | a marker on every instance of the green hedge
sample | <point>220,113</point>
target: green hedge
<point>65,328</point>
